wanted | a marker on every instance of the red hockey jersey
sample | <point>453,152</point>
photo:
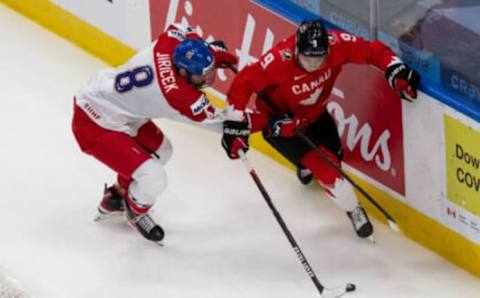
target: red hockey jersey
<point>289,89</point>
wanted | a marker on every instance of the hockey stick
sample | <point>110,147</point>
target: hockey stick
<point>324,292</point>
<point>391,222</point>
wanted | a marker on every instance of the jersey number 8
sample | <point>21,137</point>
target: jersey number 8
<point>138,77</point>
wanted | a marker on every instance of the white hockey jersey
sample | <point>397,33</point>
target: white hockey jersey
<point>147,86</point>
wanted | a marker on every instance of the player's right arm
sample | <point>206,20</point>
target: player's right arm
<point>252,80</point>
<point>241,121</point>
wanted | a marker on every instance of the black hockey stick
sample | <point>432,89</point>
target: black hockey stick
<point>391,222</point>
<point>324,292</point>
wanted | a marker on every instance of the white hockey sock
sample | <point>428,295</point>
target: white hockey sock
<point>149,181</point>
<point>343,195</point>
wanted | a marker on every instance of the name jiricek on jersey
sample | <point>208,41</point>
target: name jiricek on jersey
<point>165,71</point>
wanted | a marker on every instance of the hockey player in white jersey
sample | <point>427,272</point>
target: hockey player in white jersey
<point>113,112</point>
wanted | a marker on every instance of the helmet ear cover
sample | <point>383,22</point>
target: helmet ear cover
<point>311,38</point>
<point>194,56</point>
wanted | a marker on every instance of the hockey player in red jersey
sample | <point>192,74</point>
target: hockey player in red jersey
<point>113,112</point>
<point>292,82</point>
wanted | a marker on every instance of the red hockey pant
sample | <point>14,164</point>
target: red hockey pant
<point>120,152</point>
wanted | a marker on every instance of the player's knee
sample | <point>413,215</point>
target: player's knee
<point>165,151</point>
<point>149,181</point>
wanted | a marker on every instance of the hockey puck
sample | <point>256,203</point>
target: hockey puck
<point>350,288</point>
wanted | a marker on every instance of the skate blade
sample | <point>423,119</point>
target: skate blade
<point>159,243</point>
<point>105,216</point>
<point>371,239</point>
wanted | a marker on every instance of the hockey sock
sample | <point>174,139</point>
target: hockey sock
<point>320,169</point>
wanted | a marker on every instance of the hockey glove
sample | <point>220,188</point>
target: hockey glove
<point>222,57</point>
<point>235,137</point>
<point>403,80</point>
<point>284,126</point>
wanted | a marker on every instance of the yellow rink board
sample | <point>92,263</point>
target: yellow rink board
<point>414,224</point>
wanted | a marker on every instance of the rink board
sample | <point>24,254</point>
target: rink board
<point>420,161</point>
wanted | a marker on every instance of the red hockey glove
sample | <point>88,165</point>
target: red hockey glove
<point>222,57</point>
<point>403,80</point>
<point>284,126</point>
<point>235,137</point>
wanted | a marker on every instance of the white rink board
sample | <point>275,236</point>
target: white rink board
<point>456,217</point>
<point>424,144</point>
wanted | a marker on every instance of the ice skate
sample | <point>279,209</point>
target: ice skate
<point>112,204</point>
<point>144,224</point>
<point>304,175</point>
<point>362,225</point>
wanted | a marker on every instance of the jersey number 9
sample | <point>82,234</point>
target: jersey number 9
<point>138,77</point>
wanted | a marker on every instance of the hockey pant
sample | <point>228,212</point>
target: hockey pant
<point>142,174</point>
<point>324,134</point>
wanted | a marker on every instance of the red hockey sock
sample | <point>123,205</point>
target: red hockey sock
<point>136,207</point>
<point>124,183</point>
<point>320,169</point>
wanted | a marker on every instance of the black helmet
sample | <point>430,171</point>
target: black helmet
<point>312,38</point>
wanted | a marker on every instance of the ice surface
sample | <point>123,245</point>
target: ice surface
<point>222,240</point>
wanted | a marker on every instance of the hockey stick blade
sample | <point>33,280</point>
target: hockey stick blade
<point>407,96</point>
<point>393,226</point>
<point>338,291</point>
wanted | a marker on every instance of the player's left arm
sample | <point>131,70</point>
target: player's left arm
<point>400,76</point>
